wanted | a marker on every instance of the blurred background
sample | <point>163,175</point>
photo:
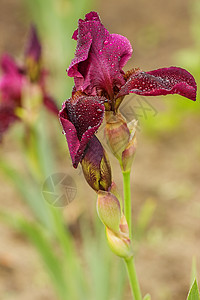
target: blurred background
<point>165,174</point>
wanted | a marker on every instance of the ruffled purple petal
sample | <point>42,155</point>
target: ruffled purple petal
<point>7,117</point>
<point>80,119</point>
<point>99,57</point>
<point>164,81</point>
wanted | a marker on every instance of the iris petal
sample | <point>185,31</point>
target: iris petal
<point>80,120</point>
<point>99,58</point>
<point>164,81</point>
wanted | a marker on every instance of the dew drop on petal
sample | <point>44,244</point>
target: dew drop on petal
<point>105,42</point>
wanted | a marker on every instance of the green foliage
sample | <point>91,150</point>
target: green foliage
<point>147,297</point>
<point>194,292</point>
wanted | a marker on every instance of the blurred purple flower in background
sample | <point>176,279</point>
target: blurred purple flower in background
<point>15,79</point>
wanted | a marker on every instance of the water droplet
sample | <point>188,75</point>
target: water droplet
<point>105,42</point>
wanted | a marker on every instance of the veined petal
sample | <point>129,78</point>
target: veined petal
<point>96,167</point>
<point>81,117</point>
<point>99,58</point>
<point>164,81</point>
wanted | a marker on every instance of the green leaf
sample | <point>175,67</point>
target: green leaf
<point>147,297</point>
<point>43,243</point>
<point>194,292</point>
<point>30,192</point>
<point>194,270</point>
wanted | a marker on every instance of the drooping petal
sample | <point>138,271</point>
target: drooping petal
<point>80,119</point>
<point>164,81</point>
<point>99,58</point>
<point>7,117</point>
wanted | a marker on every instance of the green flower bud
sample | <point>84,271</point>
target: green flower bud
<point>116,133</point>
<point>109,211</point>
<point>120,243</point>
<point>129,153</point>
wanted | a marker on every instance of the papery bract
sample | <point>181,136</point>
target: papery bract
<point>96,166</point>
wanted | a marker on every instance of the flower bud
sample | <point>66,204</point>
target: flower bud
<point>129,153</point>
<point>120,243</point>
<point>96,167</point>
<point>114,190</point>
<point>109,211</point>
<point>33,55</point>
<point>116,133</point>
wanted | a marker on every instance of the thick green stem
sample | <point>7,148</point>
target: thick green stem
<point>127,200</point>
<point>133,279</point>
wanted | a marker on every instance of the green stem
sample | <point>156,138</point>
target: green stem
<point>127,200</point>
<point>130,262</point>
<point>133,278</point>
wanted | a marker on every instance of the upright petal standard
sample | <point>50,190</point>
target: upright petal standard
<point>98,62</point>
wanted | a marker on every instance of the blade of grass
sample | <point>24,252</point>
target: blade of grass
<point>44,246</point>
<point>30,194</point>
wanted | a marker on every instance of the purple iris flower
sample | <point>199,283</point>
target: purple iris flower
<point>14,78</point>
<point>100,57</point>
<point>98,75</point>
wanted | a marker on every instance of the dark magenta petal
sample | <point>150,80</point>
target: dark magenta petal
<point>7,117</point>
<point>164,81</point>
<point>33,49</point>
<point>80,119</point>
<point>11,81</point>
<point>50,104</point>
<point>8,65</point>
<point>99,58</point>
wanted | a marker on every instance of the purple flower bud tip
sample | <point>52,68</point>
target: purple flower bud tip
<point>33,49</point>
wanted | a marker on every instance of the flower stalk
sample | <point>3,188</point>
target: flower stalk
<point>98,91</point>
<point>135,288</point>
<point>127,200</point>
